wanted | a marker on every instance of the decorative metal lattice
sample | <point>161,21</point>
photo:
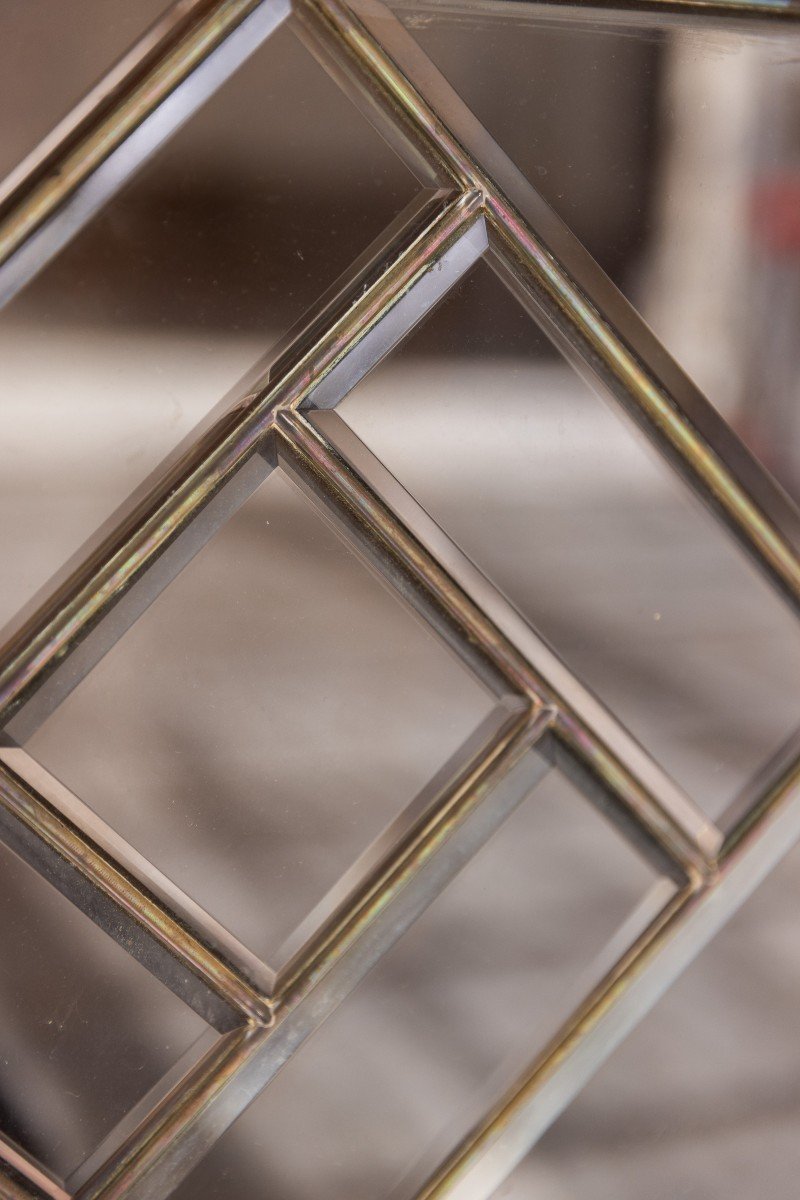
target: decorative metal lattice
<point>474,204</point>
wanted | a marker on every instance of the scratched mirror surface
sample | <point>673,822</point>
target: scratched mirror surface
<point>158,307</point>
<point>85,1031</point>
<point>604,550</point>
<point>258,727</point>
<point>722,1047</point>
<point>672,151</point>
<point>473,989</point>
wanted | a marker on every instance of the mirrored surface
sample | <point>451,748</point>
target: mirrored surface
<point>258,727</point>
<point>701,1100</point>
<point>85,1031</point>
<point>276,708</point>
<point>49,58</point>
<point>603,549</point>
<point>672,150</point>
<point>448,1016</point>
<point>146,320</point>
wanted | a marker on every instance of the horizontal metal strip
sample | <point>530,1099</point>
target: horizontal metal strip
<point>400,540</point>
<point>766,14</point>
<point>140,103</point>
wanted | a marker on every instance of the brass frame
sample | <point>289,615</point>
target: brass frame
<point>473,204</point>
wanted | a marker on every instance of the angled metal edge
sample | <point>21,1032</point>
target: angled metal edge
<point>177,943</point>
<point>406,546</point>
<point>202,1098</point>
<point>551,273</point>
<point>755,15</point>
<point>365,879</point>
<point>684,926</point>
<point>449,798</point>
<point>140,103</point>
<point>166,527</point>
<point>175,1137</point>
<point>23,1179</point>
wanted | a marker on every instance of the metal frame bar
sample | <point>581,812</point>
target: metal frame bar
<point>141,102</point>
<point>479,207</point>
<point>587,742</point>
<point>765,14</point>
<point>637,980</point>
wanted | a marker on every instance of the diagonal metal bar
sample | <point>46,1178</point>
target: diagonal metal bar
<point>417,832</point>
<point>205,483</point>
<point>450,820</point>
<point>176,1135</point>
<point>142,911</point>
<point>404,544</point>
<point>769,14</point>
<point>557,280</point>
<point>183,1128</point>
<point>22,1179</point>
<point>16,1186</point>
<point>202,1099</point>
<point>685,924</point>
<point>417,267</point>
<point>492,759</point>
<point>140,103</point>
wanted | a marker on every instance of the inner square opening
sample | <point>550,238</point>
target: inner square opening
<point>270,714</point>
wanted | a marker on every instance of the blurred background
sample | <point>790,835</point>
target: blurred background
<point>276,707</point>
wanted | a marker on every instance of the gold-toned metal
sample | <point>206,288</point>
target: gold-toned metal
<point>756,843</point>
<point>176,1115</point>
<point>22,1174</point>
<point>520,731</point>
<point>769,13</point>
<point>554,276</point>
<point>585,740</point>
<point>233,452</point>
<point>129,103</point>
<point>149,926</point>
<point>479,207</point>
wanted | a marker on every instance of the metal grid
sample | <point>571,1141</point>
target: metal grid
<point>473,204</point>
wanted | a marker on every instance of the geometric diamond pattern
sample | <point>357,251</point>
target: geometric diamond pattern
<point>473,204</point>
